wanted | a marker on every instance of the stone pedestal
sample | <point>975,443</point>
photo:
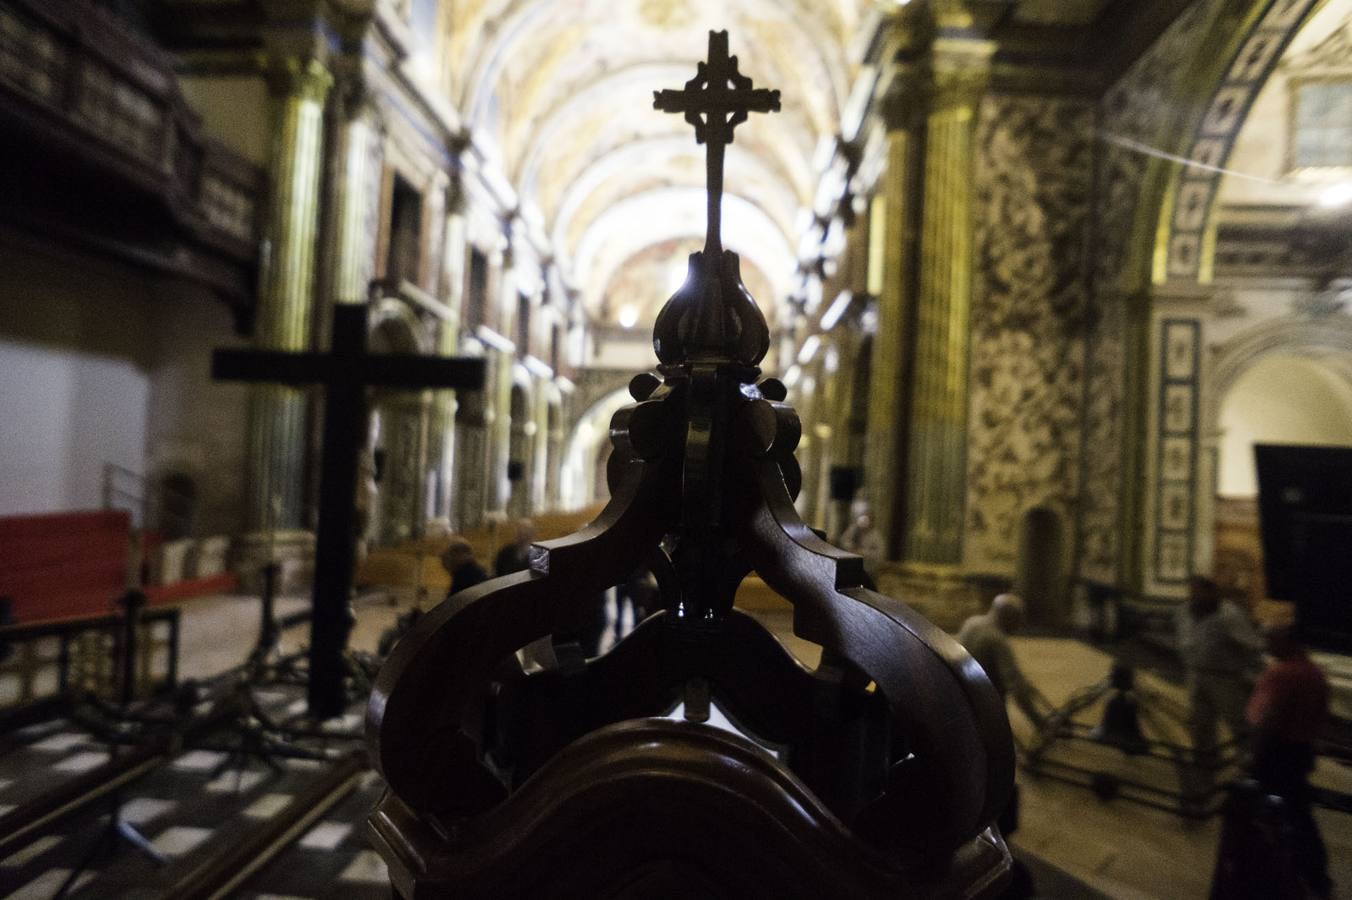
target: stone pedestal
<point>293,549</point>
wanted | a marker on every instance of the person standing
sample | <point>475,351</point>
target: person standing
<point>986,637</point>
<point>1222,654</point>
<point>1286,714</point>
<point>515,556</point>
<point>862,538</point>
<point>458,559</point>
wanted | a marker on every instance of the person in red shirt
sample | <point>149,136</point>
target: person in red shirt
<point>1287,712</point>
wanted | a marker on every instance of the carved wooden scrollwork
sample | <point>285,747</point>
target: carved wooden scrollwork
<point>892,758</point>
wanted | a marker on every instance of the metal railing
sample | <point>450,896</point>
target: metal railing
<point>85,655</point>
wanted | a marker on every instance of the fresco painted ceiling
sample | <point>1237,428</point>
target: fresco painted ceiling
<point>559,94</point>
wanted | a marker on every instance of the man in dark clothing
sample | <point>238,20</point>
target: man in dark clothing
<point>458,559</point>
<point>514,557</point>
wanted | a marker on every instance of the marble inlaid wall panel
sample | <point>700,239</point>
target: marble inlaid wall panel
<point>1034,183</point>
<point>1100,531</point>
<point>1135,114</point>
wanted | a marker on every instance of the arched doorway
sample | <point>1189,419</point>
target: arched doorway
<point>1042,566</point>
<point>1283,397</point>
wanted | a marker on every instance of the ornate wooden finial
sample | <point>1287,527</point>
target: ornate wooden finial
<point>712,315</point>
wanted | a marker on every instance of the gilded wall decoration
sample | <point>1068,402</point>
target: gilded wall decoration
<point>1027,359</point>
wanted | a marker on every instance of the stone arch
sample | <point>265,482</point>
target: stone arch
<point>396,328</point>
<point>1184,241</point>
<point>398,428</point>
<point>587,447</point>
<point>1327,340</point>
<point>521,443</point>
<point>1296,337</point>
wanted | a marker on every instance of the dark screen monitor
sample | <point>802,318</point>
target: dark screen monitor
<point>1305,507</point>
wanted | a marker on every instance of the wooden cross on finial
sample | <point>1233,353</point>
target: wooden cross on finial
<point>723,97</point>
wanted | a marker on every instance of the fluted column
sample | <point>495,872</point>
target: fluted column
<point>356,190</point>
<point>936,465</point>
<point>285,297</point>
<point>888,401</point>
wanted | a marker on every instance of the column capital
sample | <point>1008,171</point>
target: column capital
<point>960,70</point>
<point>927,71</point>
<point>299,78</point>
<point>352,96</point>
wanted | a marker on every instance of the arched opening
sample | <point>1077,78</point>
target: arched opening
<point>1042,562</point>
<point>520,452</point>
<point>1282,398</point>
<point>582,479</point>
<point>397,435</point>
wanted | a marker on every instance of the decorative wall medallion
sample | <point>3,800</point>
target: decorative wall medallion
<point>1172,552</point>
<point>1175,505</point>
<point>1180,350</point>
<point>1177,407</point>
<point>1176,459</point>
<point>1227,305</point>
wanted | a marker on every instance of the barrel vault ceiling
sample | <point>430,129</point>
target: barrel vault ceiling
<point>559,94</point>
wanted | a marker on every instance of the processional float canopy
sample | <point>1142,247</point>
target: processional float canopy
<point>879,773</point>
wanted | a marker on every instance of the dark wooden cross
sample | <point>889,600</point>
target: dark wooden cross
<point>346,371</point>
<point>716,101</point>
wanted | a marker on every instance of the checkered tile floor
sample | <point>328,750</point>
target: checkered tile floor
<point>187,812</point>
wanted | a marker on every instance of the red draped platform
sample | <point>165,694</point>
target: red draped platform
<point>60,565</point>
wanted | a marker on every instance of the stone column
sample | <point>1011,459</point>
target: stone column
<point>888,400</point>
<point>277,415</point>
<point>936,463</point>
<point>441,440</point>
